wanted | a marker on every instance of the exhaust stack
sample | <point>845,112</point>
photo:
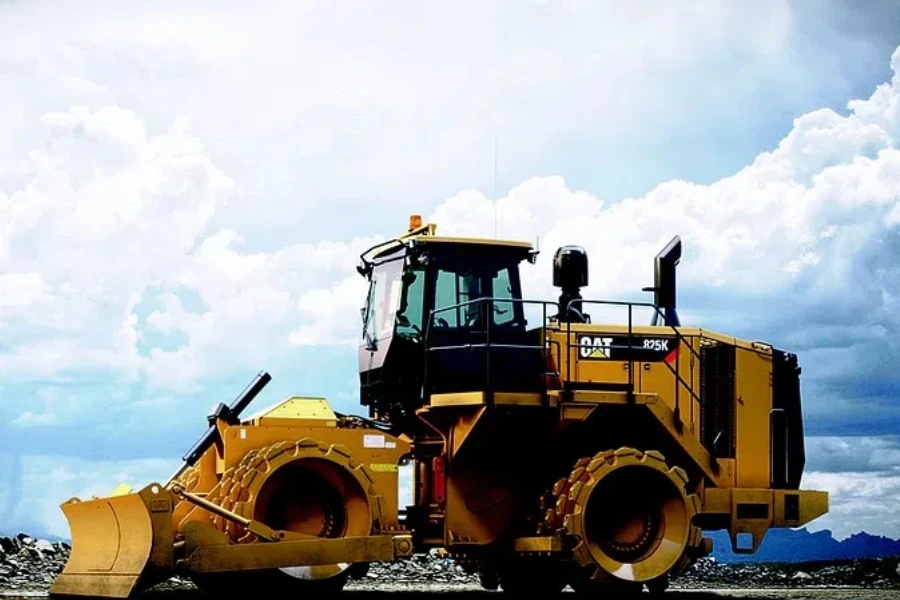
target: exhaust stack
<point>664,283</point>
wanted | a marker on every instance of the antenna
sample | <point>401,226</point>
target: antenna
<point>495,185</point>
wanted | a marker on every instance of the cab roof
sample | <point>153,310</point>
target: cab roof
<point>467,240</point>
<point>425,234</point>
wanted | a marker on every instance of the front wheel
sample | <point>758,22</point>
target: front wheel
<point>305,487</point>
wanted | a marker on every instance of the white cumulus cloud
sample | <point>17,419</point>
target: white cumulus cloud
<point>800,244</point>
<point>124,231</point>
<point>857,502</point>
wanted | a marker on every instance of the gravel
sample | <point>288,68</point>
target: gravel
<point>30,565</point>
<point>867,573</point>
<point>429,570</point>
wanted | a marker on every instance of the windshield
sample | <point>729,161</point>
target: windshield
<point>397,298</point>
<point>383,301</point>
<point>458,286</point>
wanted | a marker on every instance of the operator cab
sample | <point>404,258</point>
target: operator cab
<point>434,307</point>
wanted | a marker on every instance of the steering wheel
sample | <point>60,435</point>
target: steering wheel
<point>442,322</point>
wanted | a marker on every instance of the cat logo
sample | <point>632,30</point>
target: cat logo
<point>594,347</point>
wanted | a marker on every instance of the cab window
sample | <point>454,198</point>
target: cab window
<point>410,314</point>
<point>446,294</point>
<point>454,288</point>
<point>501,288</point>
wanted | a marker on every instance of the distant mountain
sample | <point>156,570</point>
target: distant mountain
<point>800,545</point>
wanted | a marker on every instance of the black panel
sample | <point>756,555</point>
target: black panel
<point>786,398</point>
<point>461,361</point>
<point>717,397</point>
<point>791,507</point>
<point>778,448</point>
<point>752,510</point>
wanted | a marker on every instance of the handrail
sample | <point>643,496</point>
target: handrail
<point>486,299</point>
<point>481,299</point>
<point>674,328</point>
<point>678,336</point>
<point>681,339</point>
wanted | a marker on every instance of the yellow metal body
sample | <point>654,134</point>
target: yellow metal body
<point>495,440</point>
<point>670,390</point>
<point>603,478</point>
<point>119,543</point>
<point>668,405</point>
<point>129,541</point>
<point>646,415</point>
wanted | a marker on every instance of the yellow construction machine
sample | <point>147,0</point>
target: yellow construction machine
<point>566,452</point>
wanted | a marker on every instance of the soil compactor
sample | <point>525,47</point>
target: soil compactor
<point>564,453</point>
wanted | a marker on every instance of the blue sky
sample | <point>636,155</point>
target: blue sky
<point>184,194</point>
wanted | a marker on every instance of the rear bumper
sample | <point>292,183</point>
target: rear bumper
<point>749,513</point>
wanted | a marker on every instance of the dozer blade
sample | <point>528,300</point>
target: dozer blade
<point>121,544</point>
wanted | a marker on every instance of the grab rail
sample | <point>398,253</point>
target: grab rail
<point>488,325</point>
<point>680,338</point>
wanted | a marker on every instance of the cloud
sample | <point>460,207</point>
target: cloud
<point>155,186</point>
<point>862,477</point>
<point>81,219</point>
<point>11,475</point>
<point>71,477</point>
<point>311,108</point>
<point>799,248</point>
<point>104,244</point>
<point>255,305</point>
<point>862,454</point>
<point>857,502</point>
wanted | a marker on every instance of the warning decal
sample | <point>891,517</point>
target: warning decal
<point>373,441</point>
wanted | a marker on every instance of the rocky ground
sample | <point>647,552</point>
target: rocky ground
<point>30,565</point>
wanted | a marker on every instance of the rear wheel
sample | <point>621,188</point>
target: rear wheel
<point>631,517</point>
